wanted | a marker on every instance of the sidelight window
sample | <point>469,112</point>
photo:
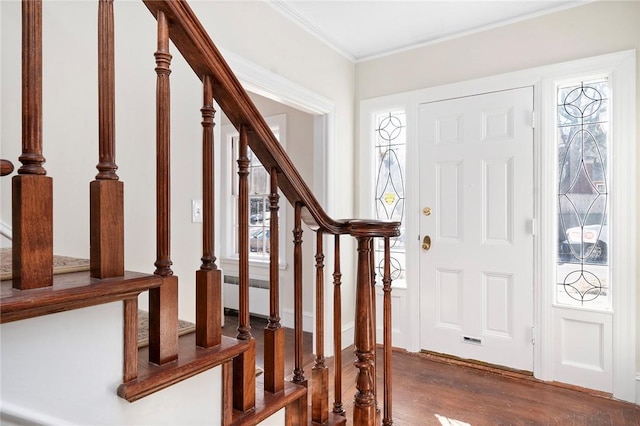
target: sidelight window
<point>583,272</point>
<point>390,143</point>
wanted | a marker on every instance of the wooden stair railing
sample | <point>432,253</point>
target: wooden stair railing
<point>196,47</point>
<point>169,359</point>
<point>33,289</point>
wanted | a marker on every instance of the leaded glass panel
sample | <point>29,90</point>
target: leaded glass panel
<point>390,143</point>
<point>583,274</point>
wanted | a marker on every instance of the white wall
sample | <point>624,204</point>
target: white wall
<point>70,118</point>
<point>283,48</point>
<point>49,380</point>
<point>593,29</point>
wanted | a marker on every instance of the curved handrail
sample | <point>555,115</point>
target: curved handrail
<point>195,45</point>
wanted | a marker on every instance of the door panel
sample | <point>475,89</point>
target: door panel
<point>477,177</point>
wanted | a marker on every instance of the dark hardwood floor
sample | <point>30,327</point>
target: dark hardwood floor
<point>432,391</point>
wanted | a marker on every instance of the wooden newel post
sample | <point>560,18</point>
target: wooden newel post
<point>106,193</point>
<point>32,190</point>
<point>364,409</point>
<point>365,404</point>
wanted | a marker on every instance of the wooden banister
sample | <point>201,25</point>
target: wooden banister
<point>33,239</point>
<point>191,39</point>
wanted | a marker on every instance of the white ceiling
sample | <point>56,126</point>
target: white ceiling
<point>362,29</point>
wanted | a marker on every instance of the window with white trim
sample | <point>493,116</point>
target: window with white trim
<point>259,191</point>
<point>583,273</point>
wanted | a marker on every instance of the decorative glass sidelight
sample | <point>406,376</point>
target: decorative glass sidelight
<point>390,142</point>
<point>583,273</point>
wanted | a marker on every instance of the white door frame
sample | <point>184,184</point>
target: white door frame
<point>621,69</point>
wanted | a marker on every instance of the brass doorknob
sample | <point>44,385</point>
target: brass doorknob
<point>426,211</point>
<point>426,242</point>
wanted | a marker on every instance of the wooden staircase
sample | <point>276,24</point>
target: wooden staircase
<point>35,291</point>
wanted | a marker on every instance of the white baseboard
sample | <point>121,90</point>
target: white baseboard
<point>288,320</point>
<point>348,331</point>
<point>638,388</point>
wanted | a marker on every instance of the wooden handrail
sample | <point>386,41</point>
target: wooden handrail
<point>195,45</point>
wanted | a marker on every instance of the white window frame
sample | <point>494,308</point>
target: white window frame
<point>259,267</point>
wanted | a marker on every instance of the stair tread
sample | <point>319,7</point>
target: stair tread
<point>70,291</point>
<point>191,360</point>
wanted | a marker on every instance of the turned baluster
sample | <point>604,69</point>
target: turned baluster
<point>337,329</point>
<point>32,190</point>
<point>320,373</point>
<point>387,375</point>
<point>163,301</point>
<point>296,412</point>
<point>244,365</point>
<point>106,192</point>
<point>373,319</point>
<point>244,327</point>
<point>298,372</point>
<point>208,277</point>
<point>274,333</point>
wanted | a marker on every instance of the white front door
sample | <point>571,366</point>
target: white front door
<point>476,197</point>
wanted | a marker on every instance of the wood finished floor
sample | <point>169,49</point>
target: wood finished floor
<point>430,392</point>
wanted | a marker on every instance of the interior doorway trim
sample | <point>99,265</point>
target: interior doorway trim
<point>268,84</point>
<point>263,82</point>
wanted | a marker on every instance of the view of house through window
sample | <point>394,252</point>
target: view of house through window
<point>259,214</point>
<point>390,143</point>
<point>583,274</point>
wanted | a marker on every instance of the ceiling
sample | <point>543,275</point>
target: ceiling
<point>363,29</point>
